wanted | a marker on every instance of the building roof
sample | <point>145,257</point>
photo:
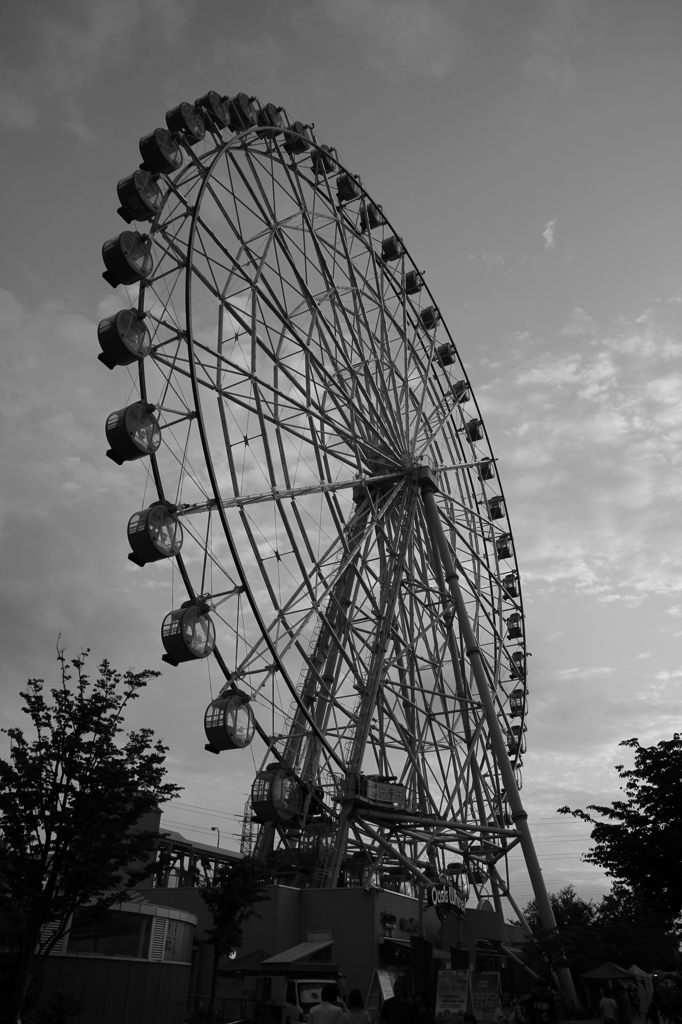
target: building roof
<point>247,964</point>
<point>299,952</point>
<point>388,940</point>
<point>177,838</point>
<point>137,903</point>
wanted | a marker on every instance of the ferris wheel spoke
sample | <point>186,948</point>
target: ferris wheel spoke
<point>359,314</point>
<point>279,493</point>
<point>363,383</point>
<point>398,377</point>
<point>437,416</point>
<point>377,397</point>
<point>278,227</point>
<point>394,560</point>
<point>413,760</point>
<point>327,641</point>
<point>332,291</point>
<point>291,379</point>
<point>388,307</point>
<point>482,566</point>
<point>250,407</point>
<point>166,307</point>
<point>463,772</point>
<point>323,589</point>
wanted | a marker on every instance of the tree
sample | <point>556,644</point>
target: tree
<point>640,843</point>
<point>639,933</point>
<point>70,800</point>
<point>579,942</point>
<point>231,897</point>
<point>621,929</point>
<point>570,910</point>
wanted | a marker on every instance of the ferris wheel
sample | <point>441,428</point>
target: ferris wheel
<point>316,470</point>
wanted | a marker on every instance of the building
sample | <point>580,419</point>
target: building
<point>131,964</point>
<point>149,959</point>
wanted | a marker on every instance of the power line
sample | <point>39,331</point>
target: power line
<point>192,828</point>
<point>196,808</point>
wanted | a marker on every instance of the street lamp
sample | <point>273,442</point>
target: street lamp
<point>214,828</point>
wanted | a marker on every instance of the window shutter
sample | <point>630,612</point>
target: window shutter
<point>158,940</point>
<point>46,934</point>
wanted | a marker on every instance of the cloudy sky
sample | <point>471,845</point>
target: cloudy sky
<point>530,153</point>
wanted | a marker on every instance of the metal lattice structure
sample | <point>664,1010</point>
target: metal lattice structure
<point>330,499</point>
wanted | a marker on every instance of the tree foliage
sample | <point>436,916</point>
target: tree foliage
<point>70,799</point>
<point>570,910</point>
<point>231,897</point>
<point>638,932</point>
<point>579,943</point>
<point>621,928</point>
<point>640,842</point>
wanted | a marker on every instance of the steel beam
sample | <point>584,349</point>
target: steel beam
<point>518,812</point>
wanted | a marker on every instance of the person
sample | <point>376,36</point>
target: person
<point>356,1012</point>
<point>508,1012</point>
<point>653,1014</point>
<point>633,996</point>
<point>422,1011</point>
<point>541,1008</point>
<point>623,1003</point>
<point>398,1009</point>
<point>327,1011</point>
<point>608,1010</point>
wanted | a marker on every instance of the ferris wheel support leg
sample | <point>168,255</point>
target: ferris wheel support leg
<point>518,813</point>
<point>497,900</point>
<point>339,847</point>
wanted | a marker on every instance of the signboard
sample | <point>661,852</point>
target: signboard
<point>384,793</point>
<point>445,898</point>
<point>385,984</point>
<point>451,995</point>
<point>485,994</point>
<point>380,990</point>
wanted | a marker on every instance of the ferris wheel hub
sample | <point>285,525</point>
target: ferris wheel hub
<point>426,474</point>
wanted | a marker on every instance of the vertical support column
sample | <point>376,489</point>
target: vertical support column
<point>518,813</point>
<point>390,589</point>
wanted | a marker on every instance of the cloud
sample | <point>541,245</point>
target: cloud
<point>554,372</point>
<point>559,73</point>
<point>593,490</point>
<point>665,675</point>
<point>15,110</point>
<point>56,533</point>
<point>556,42</point>
<point>675,610</point>
<point>643,654</point>
<point>580,325</point>
<point>584,673</point>
<point>401,38</point>
<point>63,514</point>
<point>72,46</point>
<point>548,234</point>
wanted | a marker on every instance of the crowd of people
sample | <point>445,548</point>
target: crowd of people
<point>616,1006</point>
<point>402,1008</point>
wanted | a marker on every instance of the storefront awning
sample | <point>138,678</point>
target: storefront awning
<point>438,954</point>
<point>297,953</point>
